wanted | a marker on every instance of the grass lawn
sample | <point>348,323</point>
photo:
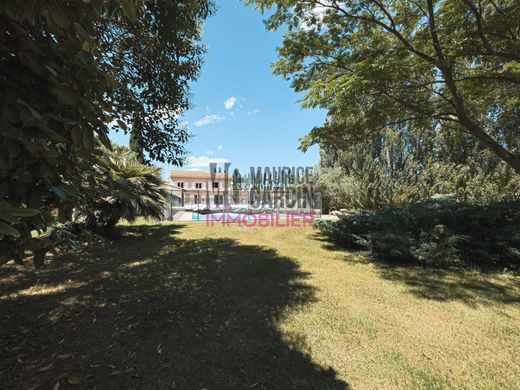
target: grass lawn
<point>185,306</point>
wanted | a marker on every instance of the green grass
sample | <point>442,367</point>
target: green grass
<point>187,306</point>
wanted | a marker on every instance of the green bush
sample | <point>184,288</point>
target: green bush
<point>120,186</point>
<point>437,232</point>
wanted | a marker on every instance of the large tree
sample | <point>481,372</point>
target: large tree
<point>154,51</point>
<point>450,64</point>
<point>67,70</point>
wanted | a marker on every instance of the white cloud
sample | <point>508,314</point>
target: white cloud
<point>204,161</point>
<point>209,119</point>
<point>209,152</point>
<point>253,112</point>
<point>220,147</point>
<point>230,102</point>
<point>195,170</point>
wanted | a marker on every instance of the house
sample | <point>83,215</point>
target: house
<point>201,187</point>
<point>195,190</point>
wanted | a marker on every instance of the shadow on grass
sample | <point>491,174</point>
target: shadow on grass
<point>470,287</point>
<point>155,311</point>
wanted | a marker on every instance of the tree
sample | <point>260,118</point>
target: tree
<point>67,69</point>
<point>154,51</point>
<point>452,65</point>
<point>237,185</point>
<point>125,188</point>
<point>53,98</point>
<point>237,179</point>
<point>407,164</point>
<point>136,141</point>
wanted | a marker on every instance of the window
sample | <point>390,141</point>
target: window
<point>180,184</point>
<point>218,199</point>
<point>215,184</point>
<point>196,199</point>
<point>198,186</point>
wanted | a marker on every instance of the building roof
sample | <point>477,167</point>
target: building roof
<point>178,174</point>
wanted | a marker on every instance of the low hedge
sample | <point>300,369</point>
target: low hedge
<point>438,232</point>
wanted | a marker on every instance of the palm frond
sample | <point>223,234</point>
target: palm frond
<point>126,188</point>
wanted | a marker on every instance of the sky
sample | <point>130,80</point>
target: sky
<point>242,113</point>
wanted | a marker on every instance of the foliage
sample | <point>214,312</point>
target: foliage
<point>53,104</point>
<point>124,188</point>
<point>153,53</point>
<point>442,64</point>
<point>438,232</point>
<point>67,69</point>
<point>398,166</point>
<point>237,180</point>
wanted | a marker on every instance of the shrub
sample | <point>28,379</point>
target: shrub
<point>124,188</point>
<point>437,232</point>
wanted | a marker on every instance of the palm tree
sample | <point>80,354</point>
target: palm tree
<point>123,187</point>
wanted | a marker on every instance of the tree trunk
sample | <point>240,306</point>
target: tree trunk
<point>474,129</point>
<point>136,143</point>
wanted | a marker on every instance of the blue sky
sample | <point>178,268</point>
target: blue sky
<point>241,112</point>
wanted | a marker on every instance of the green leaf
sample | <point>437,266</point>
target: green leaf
<point>51,133</point>
<point>88,140</point>
<point>6,216</point>
<point>50,69</point>
<point>111,80</point>
<point>8,230</point>
<point>59,16</point>
<point>85,46</point>
<point>4,204</point>
<point>35,113</point>
<point>122,124</point>
<point>103,138</point>
<point>67,95</point>
<point>81,31</point>
<point>23,212</point>
<point>129,10</point>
